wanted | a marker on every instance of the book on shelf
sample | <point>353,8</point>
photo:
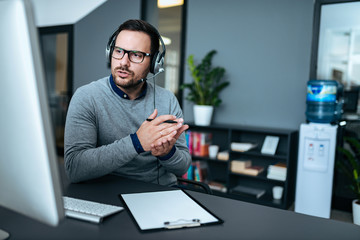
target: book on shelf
<point>238,165</point>
<point>197,171</point>
<point>277,171</point>
<point>217,186</point>
<point>189,174</point>
<point>223,155</point>
<point>242,146</point>
<point>246,167</point>
<point>201,171</point>
<point>189,141</point>
<point>279,166</point>
<point>198,143</point>
<point>252,170</point>
<point>248,191</point>
<point>276,177</point>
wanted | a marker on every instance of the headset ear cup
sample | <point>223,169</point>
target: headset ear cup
<point>157,63</point>
<point>110,52</point>
<point>107,53</point>
<point>154,63</point>
<point>110,46</point>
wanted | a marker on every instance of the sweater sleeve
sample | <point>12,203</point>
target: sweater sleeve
<point>83,158</point>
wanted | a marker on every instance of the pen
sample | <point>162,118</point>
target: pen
<point>167,121</point>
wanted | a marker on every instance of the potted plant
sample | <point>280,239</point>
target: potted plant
<point>204,90</point>
<point>349,165</point>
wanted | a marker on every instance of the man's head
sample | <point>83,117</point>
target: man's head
<point>131,52</point>
<point>142,26</point>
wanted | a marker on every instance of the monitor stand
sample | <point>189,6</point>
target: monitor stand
<point>3,235</point>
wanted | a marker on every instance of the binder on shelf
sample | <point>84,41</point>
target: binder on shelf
<point>248,191</point>
<point>167,210</point>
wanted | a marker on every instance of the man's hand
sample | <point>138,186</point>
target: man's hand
<point>163,146</point>
<point>159,137</point>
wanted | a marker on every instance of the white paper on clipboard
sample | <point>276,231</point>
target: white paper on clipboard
<point>167,209</point>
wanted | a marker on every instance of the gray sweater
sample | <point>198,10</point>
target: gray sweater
<point>97,135</point>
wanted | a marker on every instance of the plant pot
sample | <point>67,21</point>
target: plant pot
<point>356,211</point>
<point>203,114</point>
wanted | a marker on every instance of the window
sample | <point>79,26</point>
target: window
<point>57,47</point>
<point>170,24</point>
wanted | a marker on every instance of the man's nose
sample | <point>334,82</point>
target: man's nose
<point>125,59</point>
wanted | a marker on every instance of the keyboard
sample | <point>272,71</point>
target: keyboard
<point>88,210</point>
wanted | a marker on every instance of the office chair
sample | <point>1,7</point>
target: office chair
<point>193,185</point>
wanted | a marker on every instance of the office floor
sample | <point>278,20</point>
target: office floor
<point>335,214</point>
<point>341,216</point>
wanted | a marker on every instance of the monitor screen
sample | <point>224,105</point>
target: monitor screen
<point>29,177</point>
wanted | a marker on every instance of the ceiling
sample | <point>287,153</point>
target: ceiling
<point>62,12</point>
<point>54,13</point>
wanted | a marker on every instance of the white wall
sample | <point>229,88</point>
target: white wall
<point>91,35</point>
<point>63,12</point>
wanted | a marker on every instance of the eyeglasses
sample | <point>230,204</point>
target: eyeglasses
<point>134,56</point>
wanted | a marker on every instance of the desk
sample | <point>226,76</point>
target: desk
<point>242,220</point>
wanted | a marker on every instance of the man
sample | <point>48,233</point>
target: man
<point>106,128</point>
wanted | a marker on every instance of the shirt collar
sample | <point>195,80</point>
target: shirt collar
<point>121,93</point>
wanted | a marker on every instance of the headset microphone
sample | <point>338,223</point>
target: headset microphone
<point>145,79</point>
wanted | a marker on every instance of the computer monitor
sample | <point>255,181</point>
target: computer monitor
<point>29,177</point>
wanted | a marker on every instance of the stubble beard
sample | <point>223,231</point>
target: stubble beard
<point>125,83</point>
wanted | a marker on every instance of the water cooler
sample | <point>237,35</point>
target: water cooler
<point>317,147</point>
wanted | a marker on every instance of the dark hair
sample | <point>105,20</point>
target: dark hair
<point>142,26</point>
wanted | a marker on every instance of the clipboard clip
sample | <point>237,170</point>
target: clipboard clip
<point>181,223</point>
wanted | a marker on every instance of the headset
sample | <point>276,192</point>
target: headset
<point>157,60</point>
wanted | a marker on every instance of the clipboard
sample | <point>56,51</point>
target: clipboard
<point>163,210</point>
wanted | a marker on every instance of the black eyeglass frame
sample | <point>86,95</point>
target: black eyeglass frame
<point>130,52</point>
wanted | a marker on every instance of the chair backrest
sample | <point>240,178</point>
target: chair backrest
<point>193,185</point>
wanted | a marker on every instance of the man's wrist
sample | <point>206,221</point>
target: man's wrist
<point>136,142</point>
<point>169,155</point>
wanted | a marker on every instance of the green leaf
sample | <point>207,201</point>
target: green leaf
<point>349,163</point>
<point>207,83</point>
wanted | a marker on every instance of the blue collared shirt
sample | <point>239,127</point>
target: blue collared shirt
<point>123,94</point>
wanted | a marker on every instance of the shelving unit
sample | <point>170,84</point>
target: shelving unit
<point>220,171</point>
